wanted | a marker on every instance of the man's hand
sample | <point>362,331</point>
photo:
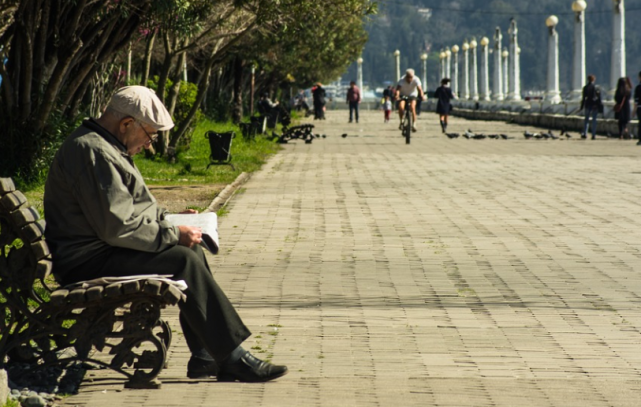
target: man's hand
<point>189,235</point>
<point>189,212</point>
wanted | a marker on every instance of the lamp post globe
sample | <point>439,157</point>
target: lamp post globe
<point>579,6</point>
<point>505,53</point>
<point>485,41</point>
<point>455,49</point>
<point>552,21</point>
<point>465,46</point>
<point>473,44</point>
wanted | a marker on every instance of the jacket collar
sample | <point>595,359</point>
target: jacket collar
<point>91,124</point>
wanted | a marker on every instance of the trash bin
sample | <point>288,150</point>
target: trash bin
<point>220,147</point>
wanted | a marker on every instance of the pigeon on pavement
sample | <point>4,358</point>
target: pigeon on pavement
<point>452,135</point>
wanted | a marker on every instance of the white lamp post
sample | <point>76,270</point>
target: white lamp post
<point>485,77</point>
<point>578,61</point>
<point>455,50</point>
<point>441,74</point>
<point>424,79</point>
<point>474,82</point>
<point>448,63</point>
<point>617,63</point>
<point>497,83</point>
<point>506,74</point>
<point>359,74</point>
<point>515,63</point>
<point>397,56</point>
<point>466,70</point>
<point>553,95</point>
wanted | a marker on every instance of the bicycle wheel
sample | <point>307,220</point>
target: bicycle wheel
<point>408,126</point>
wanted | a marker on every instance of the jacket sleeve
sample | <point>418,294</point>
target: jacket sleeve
<point>116,216</point>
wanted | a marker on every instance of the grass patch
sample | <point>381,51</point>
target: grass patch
<point>11,403</point>
<point>191,165</point>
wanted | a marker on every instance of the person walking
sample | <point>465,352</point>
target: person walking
<point>353,99</point>
<point>622,106</point>
<point>387,108</point>
<point>318,95</point>
<point>637,107</point>
<point>591,104</point>
<point>444,95</point>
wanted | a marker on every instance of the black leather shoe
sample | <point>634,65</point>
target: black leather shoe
<point>198,368</point>
<point>250,369</point>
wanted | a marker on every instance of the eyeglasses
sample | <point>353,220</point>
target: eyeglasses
<point>151,137</point>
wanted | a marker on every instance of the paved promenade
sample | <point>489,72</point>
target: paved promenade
<point>441,273</point>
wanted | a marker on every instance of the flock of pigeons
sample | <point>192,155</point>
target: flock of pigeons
<point>469,134</point>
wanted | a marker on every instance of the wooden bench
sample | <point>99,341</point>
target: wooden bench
<point>118,325</point>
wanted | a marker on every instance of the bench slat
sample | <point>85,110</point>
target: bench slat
<point>131,287</point>
<point>40,250</point>
<point>95,293</point>
<point>172,295</point>
<point>113,290</point>
<point>34,231</point>
<point>59,297</point>
<point>25,216</point>
<point>77,296</point>
<point>6,185</point>
<point>153,287</point>
<point>13,200</point>
<point>44,268</point>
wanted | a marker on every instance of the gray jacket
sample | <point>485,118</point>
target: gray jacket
<point>96,199</point>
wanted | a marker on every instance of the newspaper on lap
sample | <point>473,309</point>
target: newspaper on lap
<point>104,281</point>
<point>208,222</point>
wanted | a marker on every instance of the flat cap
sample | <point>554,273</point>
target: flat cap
<point>142,104</point>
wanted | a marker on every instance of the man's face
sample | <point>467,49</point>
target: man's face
<point>136,135</point>
<point>409,77</point>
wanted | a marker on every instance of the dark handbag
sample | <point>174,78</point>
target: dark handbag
<point>617,108</point>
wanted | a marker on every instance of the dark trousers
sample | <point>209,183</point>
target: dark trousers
<point>319,113</point>
<point>209,321</point>
<point>353,110</point>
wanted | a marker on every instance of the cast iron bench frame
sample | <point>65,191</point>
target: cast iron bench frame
<point>122,320</point>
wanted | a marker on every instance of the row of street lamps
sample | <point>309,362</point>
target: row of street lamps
<point>506,74</point>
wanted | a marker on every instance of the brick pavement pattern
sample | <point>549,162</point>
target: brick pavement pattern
<point>441,273</point>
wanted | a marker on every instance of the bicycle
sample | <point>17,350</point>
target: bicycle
<point>408,120</point>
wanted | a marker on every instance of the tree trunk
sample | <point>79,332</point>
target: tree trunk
<point>237,104</point>
<point>146,65</point>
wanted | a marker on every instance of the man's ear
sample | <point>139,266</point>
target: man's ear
<point>125,123</point>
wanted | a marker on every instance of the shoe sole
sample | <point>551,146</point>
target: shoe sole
<point>200,375</point>
<point>231,378</point>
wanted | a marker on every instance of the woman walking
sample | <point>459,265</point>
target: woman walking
<point>318,94</point>
<point>622,106</point>
<point>443,107</point>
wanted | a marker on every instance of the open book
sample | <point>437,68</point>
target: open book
<point>208,222</point>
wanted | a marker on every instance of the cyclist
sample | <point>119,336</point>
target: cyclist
<point>409,86</point>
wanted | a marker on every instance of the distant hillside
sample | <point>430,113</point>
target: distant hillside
<point>408,26</point>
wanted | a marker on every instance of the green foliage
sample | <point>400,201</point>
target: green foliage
<point>186,99</point>
<point>11,403</point>
<point>313,41</point>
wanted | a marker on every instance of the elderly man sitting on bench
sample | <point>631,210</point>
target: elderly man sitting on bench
<point>102,220</point>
